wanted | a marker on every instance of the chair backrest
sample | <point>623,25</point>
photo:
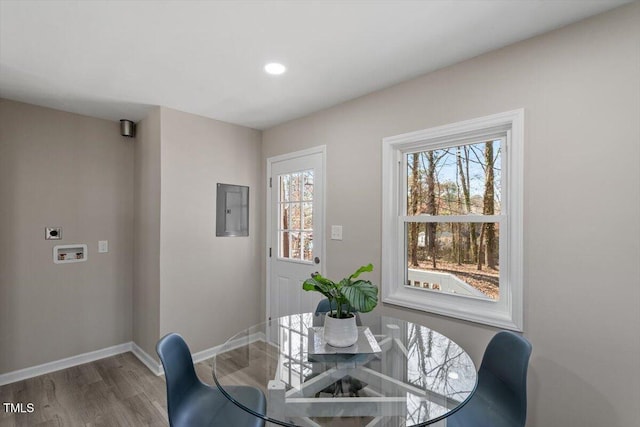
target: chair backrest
<point>507,358</point>
<point>324,306</point>
<point>179,372</point>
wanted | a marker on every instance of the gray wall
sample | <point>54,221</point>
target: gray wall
<point>77,172</point>
<point>146,267</point>
<point>580,87</point>
<point>62,169</point>
<point>210,286</point>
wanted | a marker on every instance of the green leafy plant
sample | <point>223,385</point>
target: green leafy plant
<point>349,294</point>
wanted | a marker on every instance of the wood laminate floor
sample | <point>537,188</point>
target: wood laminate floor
<point>115,391</point>
<point>121,391</point>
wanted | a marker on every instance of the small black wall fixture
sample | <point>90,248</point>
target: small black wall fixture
<point>127,128</point>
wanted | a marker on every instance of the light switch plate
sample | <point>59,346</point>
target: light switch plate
<point>336,232</point>
<point>103,246</point>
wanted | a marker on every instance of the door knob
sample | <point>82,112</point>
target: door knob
<point>316,260</point>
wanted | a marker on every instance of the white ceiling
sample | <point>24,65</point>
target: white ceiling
<point>115,59</point>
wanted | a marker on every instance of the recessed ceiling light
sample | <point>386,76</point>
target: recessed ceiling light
<point>275,68</point>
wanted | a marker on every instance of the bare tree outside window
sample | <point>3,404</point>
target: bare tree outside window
<point>296,215</point>
<point>454,182</point>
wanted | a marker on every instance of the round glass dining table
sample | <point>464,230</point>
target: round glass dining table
<point>398,373</point>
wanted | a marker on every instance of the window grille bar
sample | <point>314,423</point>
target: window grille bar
<point>452,218</point>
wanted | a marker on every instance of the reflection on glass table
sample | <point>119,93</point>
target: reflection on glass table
<point>414,376</point>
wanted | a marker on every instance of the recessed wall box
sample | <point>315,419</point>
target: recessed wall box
<point>65,254</point>
<point>232,210</point>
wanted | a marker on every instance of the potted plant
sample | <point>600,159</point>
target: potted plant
<point>348,296</point>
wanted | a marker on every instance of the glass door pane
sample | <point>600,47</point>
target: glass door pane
<point>295,212</point>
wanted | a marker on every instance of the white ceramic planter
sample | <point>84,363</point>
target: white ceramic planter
<point>340,332</point>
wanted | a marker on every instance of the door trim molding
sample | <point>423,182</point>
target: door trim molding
<point>320,149</point>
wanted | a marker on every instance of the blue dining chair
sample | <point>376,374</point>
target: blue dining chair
<point>500,399</point>
<point>192,403</point>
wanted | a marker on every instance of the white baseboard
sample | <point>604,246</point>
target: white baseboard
<point>239,342</point>
<point>144,357</point>
<point>65,363</point>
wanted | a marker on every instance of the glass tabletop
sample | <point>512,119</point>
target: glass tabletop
<point>398,373</point>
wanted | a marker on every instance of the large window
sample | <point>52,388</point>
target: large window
<point>452,220</point>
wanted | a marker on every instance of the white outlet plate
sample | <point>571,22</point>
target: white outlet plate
<point>336,232</point>
<point>103,246</point>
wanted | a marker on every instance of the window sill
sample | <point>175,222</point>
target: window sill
<point>483,311</point>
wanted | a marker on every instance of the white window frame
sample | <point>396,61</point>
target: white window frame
<point>507,311</point>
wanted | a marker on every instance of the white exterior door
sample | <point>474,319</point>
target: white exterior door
<point>295,239</point>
